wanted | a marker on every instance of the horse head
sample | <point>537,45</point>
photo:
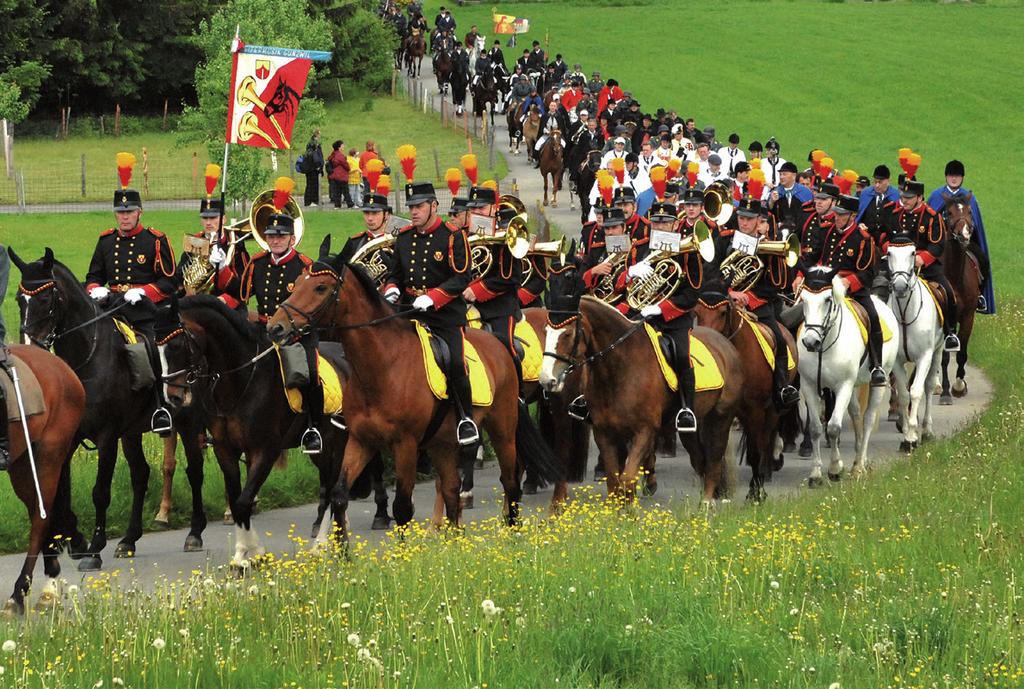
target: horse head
<point>902,266</point>
<point>959,218</point>
<point>39,299</point>
<point>285,100</point>
<point>563,330</point>
<point>821,295</point>
<point>594,159</point>
<point>182,362</point>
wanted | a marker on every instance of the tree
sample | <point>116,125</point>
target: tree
<point>260,22</point>
<point>12,108</point>
<point>363,44</point>
<point>29,76</point>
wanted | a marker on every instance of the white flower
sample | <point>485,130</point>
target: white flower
<point>117,681</point>
<point>159,643</point>
<point>774,584</point>
<point>2,670</point>
<point>520,621</point>
<point>572,589</point>
<point>99,683</point>
<point>209,583</point>
<point>834,685</point>
<point>490,610</point>
<point>10,646</point>
<point>253,590</point>
<point>346,606</point>
<point>629,629</point>
<point>354,640</point>
<point>72,589</point>
<point>794,611</point>
<point>449,620</point>
<point>363,654</point>
<point>183,632</point>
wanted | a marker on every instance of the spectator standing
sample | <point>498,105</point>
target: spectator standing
<point>369,154</point>
<point>355,177</point>
<point>337,175</point>
<point>313,167</point>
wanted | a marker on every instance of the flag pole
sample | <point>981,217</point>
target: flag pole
<point>224,167</point>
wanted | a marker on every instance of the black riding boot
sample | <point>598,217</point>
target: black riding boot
<point>5,447</point>
<point>686,419</point>
<point>786,395</point>
<point>949,315</point>
<point>466,431</point>
<point>312,441</point>
<point>878,377</point>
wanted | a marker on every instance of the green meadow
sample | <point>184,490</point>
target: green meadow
<point>906,578</point>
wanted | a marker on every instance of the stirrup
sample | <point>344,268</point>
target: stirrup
<point>686,421</point>
<point>312,442</point>
<point>878,377</point>
<point>5,459</point>
<point>982,303</point>
<point>952,343</point>
<point>339,423</point>
<point>788,396</point>
<point>578,409</point>
<point>160,423</point>
<point>466,432</point>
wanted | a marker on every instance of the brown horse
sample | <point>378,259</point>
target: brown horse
<point>961,270</point>
<point>515,128</point>
<point>628,397</point>
<point>391,407</point>
<point>414,48</point>
<point>551,164</point>
<point>531,131</point>
<point>53,439</point>
<point>757,415</point>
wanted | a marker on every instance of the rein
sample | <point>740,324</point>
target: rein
<point>307,327</point>
<point>574,364</point>
<point>904,306</point>
<point>835,312</point>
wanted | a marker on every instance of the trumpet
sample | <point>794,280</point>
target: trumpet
<point>605,288</point>
<point>667,276</point>
<point>259,218</point>
<point>718,206</point>
<point>515,237</point>
<point>371,256</point>
<point>741,270</point>
<point>553,249</point>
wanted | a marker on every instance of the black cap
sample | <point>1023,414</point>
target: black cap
<point>749,208</point>
<point>624,195</point>
<point>693,195</point>
<point>772,143</point>
<point>827,191</point>
<point>912,187</point>
<point>742,166</point>
<point>954,167</point>
<point>278,224</point>
<point>863,181</point>
<point>755,146</point>
<point>211,208</point>
<point>847,204</point>
<point>505,216</point>
<point>734,138</point>
<point>632,158</point>
<point>482,196</point>
<point>613,216</point>
<point>788,166</point>
<point>882,172</point>
<point>419,192</point>
<point>662,211</point>
<point>127,200</point>
<point>375,202</point>
<point>671,188</point>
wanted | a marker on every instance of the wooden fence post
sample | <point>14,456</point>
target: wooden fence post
<point>117,120</point>
<point>437,165</point>
<point>145,171</point>
<point>164,126</point>
<point>83,175</point>
<point>195,171</point>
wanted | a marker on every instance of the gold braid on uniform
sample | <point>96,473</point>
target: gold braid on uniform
<point>870,255</point>
<point>158,262</point>
<point>700,273</point>
<point>451,252</point>
<point>937,220</point>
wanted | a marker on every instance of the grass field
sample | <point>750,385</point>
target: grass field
<point>52,168</point>
<point>905,579</point>
<point>74,245</point>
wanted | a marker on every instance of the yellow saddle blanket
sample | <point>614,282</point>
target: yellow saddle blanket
<point>129,335</point>
<point>329,380</point>
<point>705,368</point>
<point>766,347</point>
<point>533,352</point>
<point>886,333</point>
<point>935,300</point>
<point>483,394</point>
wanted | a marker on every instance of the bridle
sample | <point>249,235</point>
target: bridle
<point>964,221</point>
<point>835,312</point>
<point>196,369</point>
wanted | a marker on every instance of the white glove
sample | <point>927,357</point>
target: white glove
<point>99,293</point>
<point>134,295</point>
<point>652,310</point>
<point>217,256</point>
<point>640,270</point>
<point>423,303</point>
<point>392,294</point>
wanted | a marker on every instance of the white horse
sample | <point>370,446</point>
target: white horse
<point>921,336</point>
<point>832,354</point>
<point>478,48</point>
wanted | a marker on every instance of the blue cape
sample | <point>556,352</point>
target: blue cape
<point>938,204</point>
<point>867,199</point>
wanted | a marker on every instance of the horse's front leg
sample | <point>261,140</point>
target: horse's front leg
<point>844,399</point>
<point>911,431</point>
<point>107,451</point>
<point>162,519</point>
<point>946,397</point>
<point>901,383</point>
<point>876,397</point>
<point>640,450</point>
<point>814,430</point>
<point>859,430</point>
<point>927,427</point>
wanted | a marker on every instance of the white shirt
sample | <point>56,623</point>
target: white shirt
<point>708,176</point>
<point>730,157</point>
<point>664,154</point>
<point>645,164</point>
<point>771,171</point>
<point>606,158</point>
<point>640,183</point>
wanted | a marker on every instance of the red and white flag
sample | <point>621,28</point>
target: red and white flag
<point>266,89</point>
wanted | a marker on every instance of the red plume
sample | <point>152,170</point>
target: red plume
<point>673,168</point>
<point>618,166</point>
<point>913,162</point>
<point>212,176</point>
<point>605,185</point>
<point>125,163</point>
<point>691,173</point>
<point>469,166</point>
<point>755,183</point>
<point>904,153</point>
<point>374,167</point>
<point>825,166</point>
<point>383,185</point>
<point>845,181</point>
<point>453,178</point>
<point>283,191</point>
<point>407,157</point>
<point>658,181</point>
<point>816,156</point>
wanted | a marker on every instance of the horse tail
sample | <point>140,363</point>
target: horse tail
<point>62,523</point>
<point>531,450</point>
<point>789,427</point>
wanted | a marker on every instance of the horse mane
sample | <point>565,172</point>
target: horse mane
<point>819,277</point>
<point>238,322</point>
<point>603,313</point>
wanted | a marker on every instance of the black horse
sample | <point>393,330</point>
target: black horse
<point>459,80</point>
<point>485,96</point>
<point>583,165</point>
<point>249,413</point>
<point>56,311</point>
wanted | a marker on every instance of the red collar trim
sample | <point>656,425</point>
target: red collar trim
<point>138,228</point>
<point>433,226</point>
<point>292,253</point>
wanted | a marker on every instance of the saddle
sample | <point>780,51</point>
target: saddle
<point>766,340</point>
<point>141,367</point>
<point>705,368</point>
<point>31,391</point>
<point>436,357</point>
<point>861,316</point>
<point>525,341</point>
<point>939,296</point>
<point>329,380</point>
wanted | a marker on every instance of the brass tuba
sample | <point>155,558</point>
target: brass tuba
<point>259,218</point>
<point>605,287</point>
<point>718,206</point>
<point>667,275</point>
<point>371,256</point>
<point>741,270</point>
<point>516,237</point>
